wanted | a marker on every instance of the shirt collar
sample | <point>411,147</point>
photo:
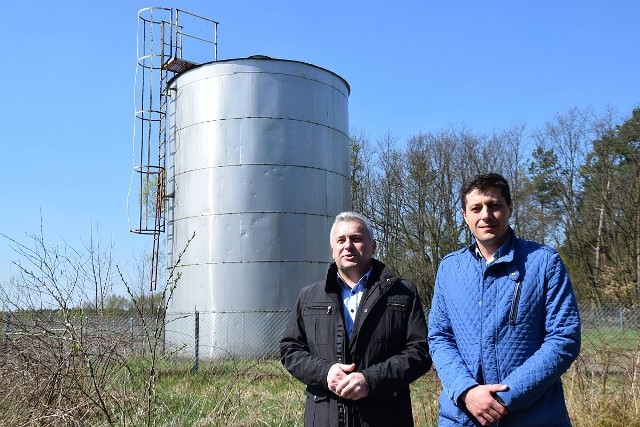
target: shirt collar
<point>502,250</point>
<point>361,283</point>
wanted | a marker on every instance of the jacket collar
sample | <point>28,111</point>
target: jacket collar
<point>504,252</point>
<point>379,275</point>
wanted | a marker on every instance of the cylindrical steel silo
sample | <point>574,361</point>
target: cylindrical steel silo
<point>258,168</point>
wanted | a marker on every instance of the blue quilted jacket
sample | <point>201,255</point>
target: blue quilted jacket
<point>514,322</point>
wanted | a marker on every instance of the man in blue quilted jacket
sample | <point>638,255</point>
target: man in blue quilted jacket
<point>504,324</point>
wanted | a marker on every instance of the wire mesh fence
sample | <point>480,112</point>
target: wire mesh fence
<point>610,316</point>
<point>55,363</point>
<point>223,335</point>
<point>173,337</point>
<point>226,334</point>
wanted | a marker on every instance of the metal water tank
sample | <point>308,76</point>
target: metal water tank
<point>258,168</point>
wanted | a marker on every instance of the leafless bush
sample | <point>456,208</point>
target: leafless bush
<point>53,373</point>
<point>60,366</point>
<point>603,386</point>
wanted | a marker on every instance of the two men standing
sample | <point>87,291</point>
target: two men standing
<point>503,328</point>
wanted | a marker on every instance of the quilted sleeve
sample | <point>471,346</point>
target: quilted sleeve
<point>452,371</point>
<point>560,346</point>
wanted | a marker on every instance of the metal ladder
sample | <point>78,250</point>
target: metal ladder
<point>161,39</point>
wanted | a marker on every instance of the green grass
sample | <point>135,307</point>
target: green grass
<point>253,393</point>
<point>602,388</point>
<point>263,394</point>
<point>232,393</point>
<point>611,338</point>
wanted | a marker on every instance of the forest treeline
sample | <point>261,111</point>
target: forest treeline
<point>575,186</point>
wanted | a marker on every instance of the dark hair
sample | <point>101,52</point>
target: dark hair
<point>483,182</point>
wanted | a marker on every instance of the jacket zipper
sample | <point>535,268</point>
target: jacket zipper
<point>319,307</point>
<point>366,306</point>
<point>395,304</point>
<point>514,305</point>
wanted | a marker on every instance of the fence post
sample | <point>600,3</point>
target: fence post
<point>196,344</point>
<point>621,318</point>
<point>134,344</point>
<point>5,328</point>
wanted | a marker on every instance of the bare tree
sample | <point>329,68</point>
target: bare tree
<point>431,219</point>
<point>511,142</point>
<point>387,199</point>
<point>567,138</point>
<point>99,268</point>
<point>360,162</point>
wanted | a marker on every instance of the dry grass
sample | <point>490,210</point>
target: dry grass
<point>603,386</point>
<point>43,383</point>
<point>264,394</point>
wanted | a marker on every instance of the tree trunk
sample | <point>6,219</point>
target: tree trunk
<point>600,232</point>
<point>637,235</point>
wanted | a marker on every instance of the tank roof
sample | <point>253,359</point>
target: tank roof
<point>261,58</point>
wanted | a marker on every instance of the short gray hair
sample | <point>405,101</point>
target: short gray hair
<point>349,216</point>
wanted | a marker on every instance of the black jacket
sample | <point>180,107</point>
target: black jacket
<point>388,346</point>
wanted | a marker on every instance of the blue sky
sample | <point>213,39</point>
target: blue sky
<point>413,66</point>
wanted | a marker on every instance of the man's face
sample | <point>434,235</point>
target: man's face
<point>352,247</point>
<point>487,215</point>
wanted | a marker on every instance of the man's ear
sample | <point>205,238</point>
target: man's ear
<point>375,245</point>
<point>466,221</point>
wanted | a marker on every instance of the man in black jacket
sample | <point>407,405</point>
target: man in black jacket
<point>358,339</point>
